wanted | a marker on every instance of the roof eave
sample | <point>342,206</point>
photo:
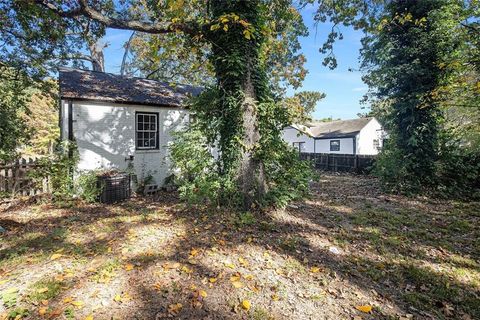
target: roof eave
<point>140,103</point>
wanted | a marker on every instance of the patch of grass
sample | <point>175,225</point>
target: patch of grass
<point>9,297</point>
<point>266,226</point>
<point>245,219</point>
<point>460,226</point>
<point>107,271</point>
<point>45,289</point>
<point>18,313</point>
<point>293,265</point>
<point>290,243</point>
<point>69,313</point>
<point>261,314</point>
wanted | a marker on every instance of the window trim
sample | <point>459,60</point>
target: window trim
<point>157,130</point>
<point>336,140</point>
<point>300,144</point>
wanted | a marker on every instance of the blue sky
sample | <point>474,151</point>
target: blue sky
<point>343,88</point>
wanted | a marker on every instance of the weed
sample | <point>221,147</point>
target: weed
<point>261,314</point>
<point>9,297</point>
<point>69,313</point>
<point>18,313</point>
<point>45,289</point>
<point>245,219</point>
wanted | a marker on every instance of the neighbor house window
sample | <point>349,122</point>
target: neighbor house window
<point>300,146</point>
<point>376,144</point>
<point>146,134</point>
<point>334,145</point>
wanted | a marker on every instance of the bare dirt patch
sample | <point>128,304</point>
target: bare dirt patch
<point>346,249</point>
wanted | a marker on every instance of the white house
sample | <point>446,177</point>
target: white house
<point>121,122</point>
<point>356,136</point>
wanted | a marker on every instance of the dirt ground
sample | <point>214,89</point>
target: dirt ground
<point>348,252</point>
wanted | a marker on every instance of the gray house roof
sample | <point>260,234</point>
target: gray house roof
<point>107,87</point>
<point>339,129</point>
<point>334,129</point>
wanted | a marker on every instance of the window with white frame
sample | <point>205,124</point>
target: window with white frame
<point>146,130</point>
<point>376,144</point>
<point>334,145</point>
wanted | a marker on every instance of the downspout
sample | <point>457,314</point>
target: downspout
<point>60,118</point>
<point>354,145</point>
<point>70,128</point>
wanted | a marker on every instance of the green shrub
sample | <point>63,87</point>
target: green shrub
<point>59,169</point>
<point>86,186</point>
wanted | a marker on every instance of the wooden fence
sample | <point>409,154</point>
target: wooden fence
<point>15,178</point>
<point>340,162</point>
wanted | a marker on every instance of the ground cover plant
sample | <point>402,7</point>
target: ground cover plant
<point>348,252</point>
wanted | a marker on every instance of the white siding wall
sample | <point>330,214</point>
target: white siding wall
<point>372,131</point>
<point>105,136</point>
<point>291,135</point>
<point>323,146</point>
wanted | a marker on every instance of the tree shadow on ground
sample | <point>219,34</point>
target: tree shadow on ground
<point>172,252</point>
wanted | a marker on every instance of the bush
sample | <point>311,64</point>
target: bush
<point>64,183</point>
<point>458,172</point>
<point>59,170</point>
<point>86,186</point>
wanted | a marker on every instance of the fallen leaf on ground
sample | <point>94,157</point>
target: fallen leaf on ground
<point>314,269</point>
<point>90,317</point>
<point>42,311</point>
<point>175,308</point>
<point>202,293</point>
<point>78,304</point>
<point>193,252</point>
<point>212,280</point>
<point>68,300</point>
<point>237,284</point>
<point>55,256</point>
<point>243,262</point>
<point>129,267</point>
<point>366,308</point>
<point>42,290</point>
<point>235,278</point>
<point>44,302</point>
<point>246,305</point>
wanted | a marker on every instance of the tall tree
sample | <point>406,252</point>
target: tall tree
<point>404,60</point>
<point>14,98</point>
<point>240,36</point>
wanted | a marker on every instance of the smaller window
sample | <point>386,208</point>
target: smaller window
<point>334,145</point>
<point>300,146</point>
<point>147,131</point>
<point>376,144</point>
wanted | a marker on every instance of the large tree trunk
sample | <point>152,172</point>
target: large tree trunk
<point>239,73</point>
<point>251,175</point>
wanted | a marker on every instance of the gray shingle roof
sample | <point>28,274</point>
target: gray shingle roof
<point>107,87</point>
<point>338,129</point>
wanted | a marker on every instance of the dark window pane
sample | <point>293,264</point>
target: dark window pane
<point>140,117</point>
<point>334,145</point>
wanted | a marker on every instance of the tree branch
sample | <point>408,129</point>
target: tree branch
<point>88,11</point>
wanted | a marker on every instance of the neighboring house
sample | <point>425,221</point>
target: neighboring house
<point>121,122</point>
<point>356,136</point>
